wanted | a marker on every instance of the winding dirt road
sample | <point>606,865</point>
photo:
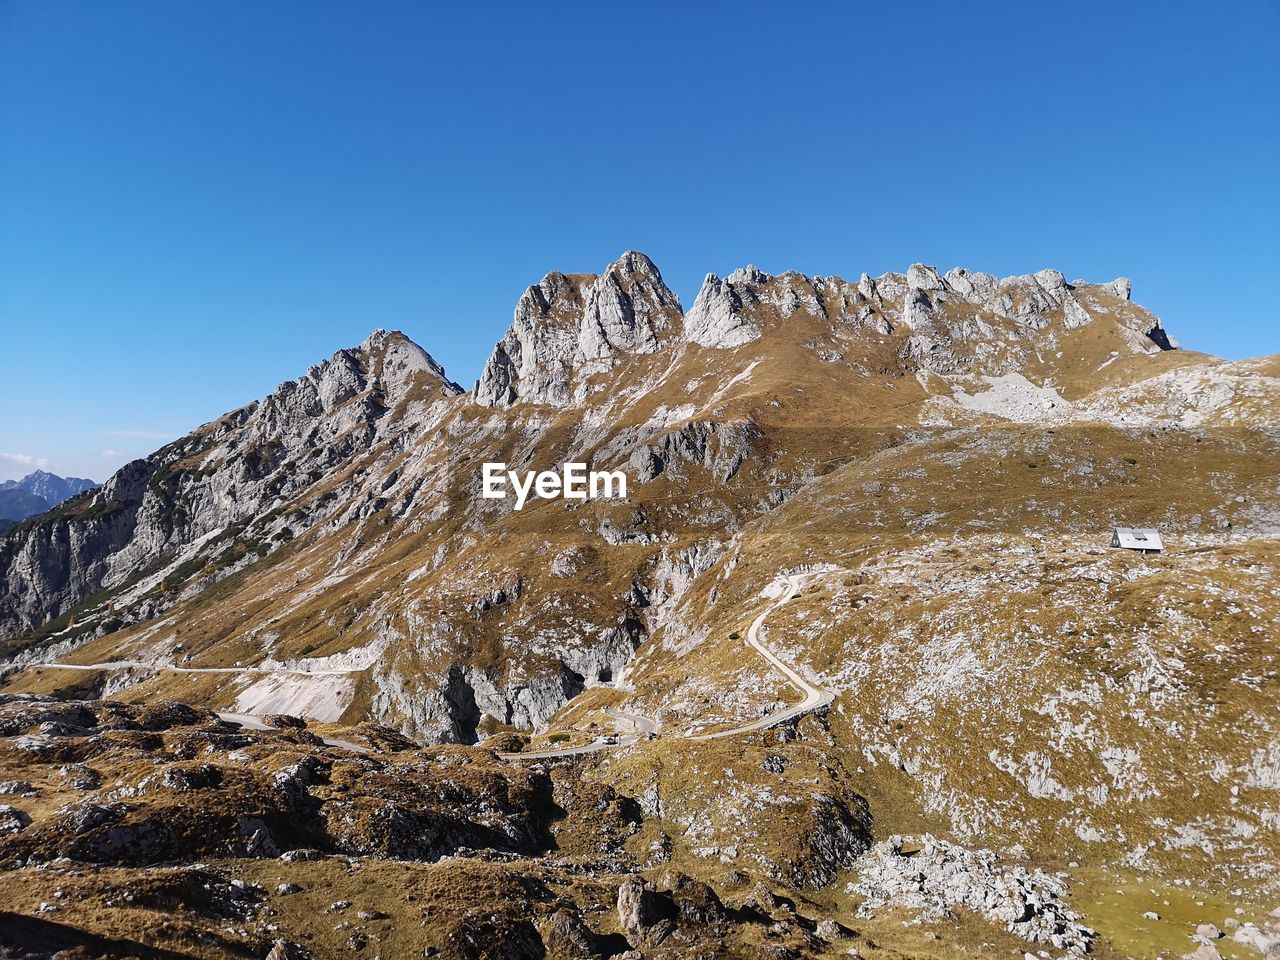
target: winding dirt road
<point>813,698</point>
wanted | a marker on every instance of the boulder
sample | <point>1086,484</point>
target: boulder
<point>1266,940</point>
<point>567,937</point>
<point>644,914</point>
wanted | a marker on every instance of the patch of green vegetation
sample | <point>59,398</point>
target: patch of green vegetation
<point>1115,905</point>
<point>239,549</point>
<point>182,573</point>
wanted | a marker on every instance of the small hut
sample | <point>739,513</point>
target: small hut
<point>1137,538</point>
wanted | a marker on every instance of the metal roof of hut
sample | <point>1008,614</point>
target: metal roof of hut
<point>1137,538</point>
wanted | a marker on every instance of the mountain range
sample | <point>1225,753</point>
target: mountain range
<point>855,624</point>
<point>36,493</point>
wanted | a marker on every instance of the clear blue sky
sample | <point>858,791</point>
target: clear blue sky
<point>200,199</point>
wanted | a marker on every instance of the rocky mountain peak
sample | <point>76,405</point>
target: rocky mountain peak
<point>1121,287</point>
<point>750,275</point>
<point>572,325</point>
<point>568,327</point>
<point>354,388</point>
<point>235,468</point>
<point>717,317</point>
<point>400,364</point>
<point>922,277</point>
<point>52,487</point>
<point>35,493</point>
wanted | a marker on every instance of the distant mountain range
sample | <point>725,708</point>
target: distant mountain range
<point>36,493</point>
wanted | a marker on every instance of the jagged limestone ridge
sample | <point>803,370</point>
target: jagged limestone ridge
<point>568,327</point>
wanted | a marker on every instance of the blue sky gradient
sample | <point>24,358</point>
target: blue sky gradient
<point>199,200</point>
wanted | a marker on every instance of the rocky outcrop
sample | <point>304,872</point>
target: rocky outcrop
<point>720,448</point>
<point>934,877</point>
<point>568,326</point>
<point>406,806</point>
<point>452,708</point>
<point>567,935</point>
<point>1265,938</point>
<point>459,848</point>
<point>644,914</point>
<point>719,316</point>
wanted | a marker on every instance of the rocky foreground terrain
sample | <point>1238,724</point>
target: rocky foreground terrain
<point>850,671</point>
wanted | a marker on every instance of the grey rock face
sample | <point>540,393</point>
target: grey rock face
<point>921,277</point>
<point>719,447</point>
<point>451,709</point>
<point>645,914</point>
<point>970,285</point>
<point>532,360</point>
<point>1121,287</point>
<point>627,309</point>
<point>717,318</point>
<point>1265,939</point>
<point>568,936</point>
<point>565,326</point>
<point>226,473</point>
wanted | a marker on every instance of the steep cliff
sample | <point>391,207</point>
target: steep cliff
<point>206,491</point>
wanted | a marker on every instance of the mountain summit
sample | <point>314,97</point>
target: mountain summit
<point>52,488</point>
<point>575,325</point>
